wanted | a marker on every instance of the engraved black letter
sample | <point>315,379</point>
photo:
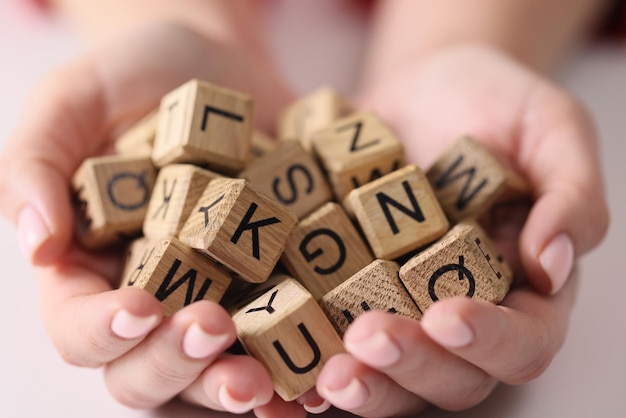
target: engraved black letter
<point>385,200</point>
<point>142,197</point>
<point>317,354</point>
<point>310,256</point>
<point>206,209</point>
<point>466,195</point>
<point>166,199</point>
<point>287,200</point>
<point>165,290</point>
<point>357,132</point>
<point>253,227</point>
<point>224,113</point>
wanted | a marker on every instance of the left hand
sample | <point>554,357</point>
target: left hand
<point>461,348</point>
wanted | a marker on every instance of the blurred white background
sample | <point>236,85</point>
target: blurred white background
<point>587,377</point>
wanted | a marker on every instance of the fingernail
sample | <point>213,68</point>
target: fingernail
<point>352,396</point>
<point>32,231</point>
<point>233,405</point>
<point>317,409</point>
<point>449,330</point>
<point>377,350</point>
<point>199,344</point>
<point>129,326</point>
<point>557,260</point>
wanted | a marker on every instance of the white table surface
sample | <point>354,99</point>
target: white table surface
<point>586,378</point>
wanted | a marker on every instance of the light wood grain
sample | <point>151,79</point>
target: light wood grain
<point>286,330</point>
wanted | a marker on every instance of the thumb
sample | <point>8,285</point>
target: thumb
<point>62,125</point>
<point>559,153</point>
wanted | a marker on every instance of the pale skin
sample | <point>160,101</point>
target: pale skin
<point>462,348</point>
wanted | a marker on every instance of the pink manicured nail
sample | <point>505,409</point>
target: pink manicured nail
<point>449,330</point>
<point>377,350</point>
<point>199,344</point>
<point>317,409</point>
<point>233,405</point>
<point>32,231</point>
<point>129,326</point>
<point>557,260</point>
<point>352,396</point>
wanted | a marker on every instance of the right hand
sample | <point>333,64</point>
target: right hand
<point>76,113</point>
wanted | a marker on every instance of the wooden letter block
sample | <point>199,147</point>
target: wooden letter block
<point>325,249</point>
<point>286,330</point>
<point>176,191</point>
<point>377,286</point>
<point>398,212</point>
<point>468,179</point>
<point>113,194</point>
<point>356,150</point>
<point>139,139</point>
<point>200,123</point>
<point>239,227</point>
<point>463,263</point>
<point>290,175</point>
<point>313,112</point>
<point>178,276</point>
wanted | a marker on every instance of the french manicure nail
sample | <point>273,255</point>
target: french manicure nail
<point>449,330</point>
<point>129,326</point>
<point>199,344</point>
<point>233,405</point>
<point>377,350</point>
<point>317,409</point>
<point>32,231</point>
<point>352,396</point>
<point>557,260</point>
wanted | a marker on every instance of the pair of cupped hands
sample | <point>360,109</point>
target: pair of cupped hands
<point>453,358</point>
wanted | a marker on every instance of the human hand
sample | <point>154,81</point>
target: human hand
<point>461,348</point>
<point>76,113</point>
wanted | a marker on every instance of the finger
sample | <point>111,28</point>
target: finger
<point>89,323</point>
<point>171,357</point>
<point>278,408</point>
<point>558,152</point>
<point>235,384</point>
<point>350,385</point>
<point>313,403</point>
<point>399,348</point>
<point>59,131</point>
<point>72,115</point>
<point>513,343</point>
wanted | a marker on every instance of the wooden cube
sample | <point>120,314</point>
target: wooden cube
<point>325,249</point>
<point>176,191</point>
<point>291,176</point>
<point>376,286</point>
<point>357,149</point>
<point>203,124</point>
<point>112,193</point>
<point>286,330</point>
<point>178,276</point>
<point>239,227</point>
<point>468,179</point>
<point>139,138</point>
<point>463,263</point>
<point>313,112</point>
<point>398,213</point>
